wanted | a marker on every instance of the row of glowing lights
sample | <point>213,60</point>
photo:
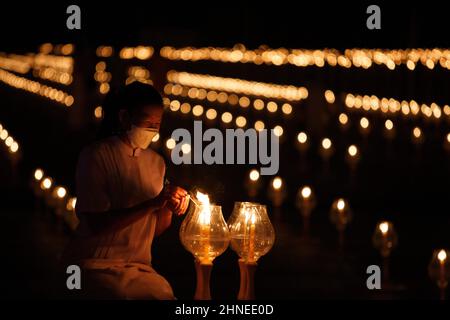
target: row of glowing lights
<point>54,75</point>
<point>361,58</point>
<point>63,49</point>
<point>53,68</point>
<point>223,97</point>
<point>138,73</point>
<point>102,77</point>
<point>59,192</point>
<point>36,88</point>
<point>139,52</point>
<point>23,63</point>
<point>391,105</point>
<point>364,125</point>
<point>241,121</point>
<point>305,194</point>
<point>227,117</point>
<point>238,86</point>
<point>212,114</point>
<point>8,140</point>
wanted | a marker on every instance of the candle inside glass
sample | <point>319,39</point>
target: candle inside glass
<point>204,232</point>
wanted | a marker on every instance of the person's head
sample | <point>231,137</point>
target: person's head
<point>135,109</point>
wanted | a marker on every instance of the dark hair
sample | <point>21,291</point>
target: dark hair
<point>129,97</point>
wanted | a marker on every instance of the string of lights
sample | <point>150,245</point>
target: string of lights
<point>56,197</point>
<point>359,58</point>
<point>48,67</point>
<point>225,98</point>
<point>393,106</point>
<point>238,86</point>
<point>139,52</point>
<point>9,141</point>
<point>36,88</point>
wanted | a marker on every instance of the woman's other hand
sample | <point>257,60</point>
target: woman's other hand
<point>177,199</point>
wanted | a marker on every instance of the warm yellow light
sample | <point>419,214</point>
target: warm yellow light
<point>211,96</point>
<point>278,131</point>
<point>241,121</point>
<point>352,150</point>
<point>258,104</point>
<point>259,125</point>
<point>38,174</point>
<point>46,183</point>
<point>448,137</point>
<point>442,255</point>
<point>302,137</point>
<point>69,100</point>
<point>211,114</point>
<point>174,105</point>
<point>185,108</point>
<point>340,204</point>
<point>272,106</point>
<point>277,183</point>
<point>186,148</point>
<point>417,132</point>
<point>4,134</point>
<point>384,227</point>
<point>71,203</point>
<point>286,108</point>
<point>389,124</point>
<point>197,110</point>
<point>9,141</point>
<point>205,214</point>
<point>100,66</point>
<point>61,192</point>
<point>411,65</point>
<point>155,138</point>
<point>326,143</point>
<point>227,117</point>
<point>343,119</point>
<point>98,112</point>
<point>104,88</point>
<point>170,143</point>
<point>244,102</point>
<point>14,147</point>
<point>329,96</point>
<point>306,192</point>
<point>364,123</point>
<point>254,175</point>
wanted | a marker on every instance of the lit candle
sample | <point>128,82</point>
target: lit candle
<point>384,228</point>
<point>251,249</point>
<point>442,257</point>
<point>205,222</point>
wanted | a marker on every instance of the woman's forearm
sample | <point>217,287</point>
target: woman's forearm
<point>113,220</point>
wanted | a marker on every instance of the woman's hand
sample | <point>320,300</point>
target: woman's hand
<point>177,199</point>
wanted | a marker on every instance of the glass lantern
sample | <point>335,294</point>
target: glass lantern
<point>439,269</point>
<point>204,232</point>
<point>385,238</point>
<point>252,234</point>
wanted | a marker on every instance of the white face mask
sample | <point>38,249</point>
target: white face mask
<point>141,137</point>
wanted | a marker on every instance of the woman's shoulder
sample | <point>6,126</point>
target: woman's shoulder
<point>155,157</point>
<point>96,148</point>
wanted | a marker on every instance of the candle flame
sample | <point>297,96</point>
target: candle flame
<point>341,204</point>
<point>384,227</point>
<point>442,255</point>
<point>205,214</point>
<point>306,192</point>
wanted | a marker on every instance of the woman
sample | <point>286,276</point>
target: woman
<point>122,201</point>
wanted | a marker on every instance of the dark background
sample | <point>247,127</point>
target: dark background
<point>397,181</point>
